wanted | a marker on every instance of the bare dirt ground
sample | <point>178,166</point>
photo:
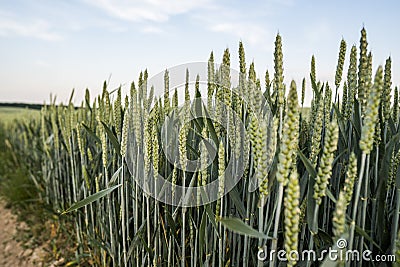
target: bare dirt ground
<point>14,252</point>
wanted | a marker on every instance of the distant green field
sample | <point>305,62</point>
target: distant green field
<point>10,114</point>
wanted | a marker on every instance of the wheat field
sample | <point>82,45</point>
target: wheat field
<point>323,174</point>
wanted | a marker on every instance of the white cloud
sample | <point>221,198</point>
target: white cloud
<point>152,16</point>
<point>246,26</point>
<point>147,10</point>
<point>250,32</point>
<point>152,29</point>
<point>40,29</point>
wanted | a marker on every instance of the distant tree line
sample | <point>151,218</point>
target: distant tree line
<point>22,105</point>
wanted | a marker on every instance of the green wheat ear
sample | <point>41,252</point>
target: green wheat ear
<point>387,90</point>
<point>351,177</point>
<point>167,105</point>
<point>395,109</point>
<point>289,138</point>
<point>292,215</point>
<point>339,67</point>
<point>221,176</point>
<point>175,99</point>
<point>124,139</point>
<point>344,102</point>
<point>242,58</point>
<point>117,113</point>
<point>155,146</point>
<point>313,72</point>
<point>278,75</point>
<point>371,116</point>
<point>80,139</point>
<point>351,81</point>
<point>148,141</point>
<point>339,216</point>
<point>210,83</point>
<point>325,168</point>
<point>362,69</point>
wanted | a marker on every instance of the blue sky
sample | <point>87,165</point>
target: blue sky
<point>49,46</point>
